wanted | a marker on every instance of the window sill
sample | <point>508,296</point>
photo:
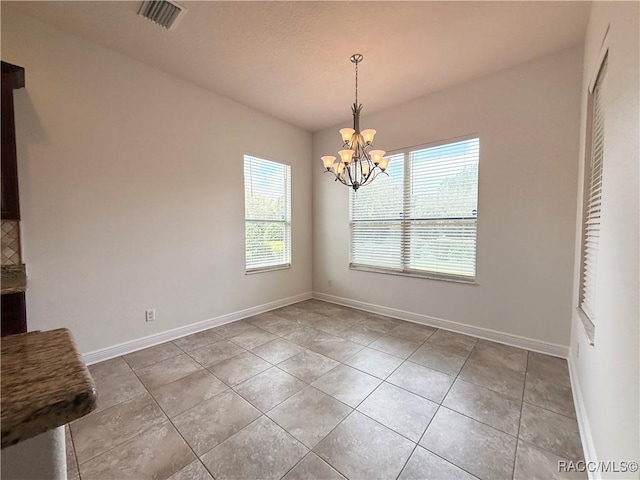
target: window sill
<point>428,276</point>
<point>589,327</point>
<point>268,269</point>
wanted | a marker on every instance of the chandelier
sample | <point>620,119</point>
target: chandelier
<point>358,165</point>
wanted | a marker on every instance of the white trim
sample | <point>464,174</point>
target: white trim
<point>428,275</point>
<point>437,143</point>
<point>588,447</point>
<point>486,333</point>
<point>157,338</point>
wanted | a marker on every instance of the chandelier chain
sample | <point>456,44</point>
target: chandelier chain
<point>357,83</point>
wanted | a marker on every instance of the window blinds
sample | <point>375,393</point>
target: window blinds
<point>267,201</point>
<point>422,218</point>
<point>593,197</point>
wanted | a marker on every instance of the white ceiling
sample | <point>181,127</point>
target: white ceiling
<point>291,59</point>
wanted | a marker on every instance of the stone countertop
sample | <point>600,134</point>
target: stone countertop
<point>14,279</point>
<point>45,384</point>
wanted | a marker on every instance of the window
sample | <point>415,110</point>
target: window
<point>592,197</point>
<point>267,210</point>
<point>421,219</point>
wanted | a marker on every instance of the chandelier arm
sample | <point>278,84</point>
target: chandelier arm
<point>372,169</point>
<point>380,172</point>
<point>348,169</point>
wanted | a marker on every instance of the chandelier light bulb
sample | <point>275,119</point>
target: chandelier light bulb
<point>328,161</point>
<point>365,169</point>
<point>346,156</point>
<point>368,135</point>
<point>384,163</point>
<point>376,156</point>
<point>347,134</point>
<point>338,168</point>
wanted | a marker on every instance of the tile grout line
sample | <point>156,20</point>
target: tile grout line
<point>457,377</point>
<point>551,411</point>
<point>124,441</point>
<point>434,416</point>
<point>230,387</point>
<point>354,409</point>
<point>73,446</point>
<point>299,461</point>
<point>119,444</point>
<point>246,427</point>
<point>299,326</point>
<point>524,385</point>
<point>277,404</point>
<point>174,426</point>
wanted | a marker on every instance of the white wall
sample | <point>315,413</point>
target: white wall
<point>131,189</point>
<point>607,375</point>
<point>527,119</point>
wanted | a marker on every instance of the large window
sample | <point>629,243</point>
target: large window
<point>421,219</point>
<point>592,195</point>
<point>267,206</point>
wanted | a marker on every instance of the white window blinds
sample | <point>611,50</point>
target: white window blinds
<point>421,219</point>
<point>267,201</point>
<point>593,197</point>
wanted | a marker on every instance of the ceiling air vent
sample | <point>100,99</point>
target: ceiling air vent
<point>162,12</point>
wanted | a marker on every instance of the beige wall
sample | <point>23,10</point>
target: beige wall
<point>132,192</point>
<point>527,119</point>
<point>607,375</point>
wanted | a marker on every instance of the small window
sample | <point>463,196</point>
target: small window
<point>592,198</point>
<point>267,206</point>
<point>421,219</point>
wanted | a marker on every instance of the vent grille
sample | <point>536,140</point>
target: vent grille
<point>161,12</point>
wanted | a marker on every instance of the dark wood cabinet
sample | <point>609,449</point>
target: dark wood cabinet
<point>14,314</point>
<point>12,77</point>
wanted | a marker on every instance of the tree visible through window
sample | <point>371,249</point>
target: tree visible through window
<point>267,197</point>
<point>422,218</point>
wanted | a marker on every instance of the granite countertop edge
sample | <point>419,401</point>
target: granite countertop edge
<point>45,384</point>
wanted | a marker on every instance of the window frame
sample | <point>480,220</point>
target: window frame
<point>589,321</point>
<point>288,235</point>
<point>405,271</point>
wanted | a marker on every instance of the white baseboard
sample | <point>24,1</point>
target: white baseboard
<point>488,334</point>
<point>588,446</point>
<point>157,338</point>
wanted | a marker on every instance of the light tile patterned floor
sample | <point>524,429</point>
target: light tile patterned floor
<point>319,391</point>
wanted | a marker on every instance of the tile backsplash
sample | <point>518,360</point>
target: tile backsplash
<point>11,254</point>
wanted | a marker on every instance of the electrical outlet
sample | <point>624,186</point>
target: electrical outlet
<point>331,283</point>
<point>150,315</point>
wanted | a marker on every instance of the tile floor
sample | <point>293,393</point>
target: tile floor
<point>319,391</point>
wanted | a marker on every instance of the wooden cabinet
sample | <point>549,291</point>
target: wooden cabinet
<point>12,77</point>
<point>14,314</point>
